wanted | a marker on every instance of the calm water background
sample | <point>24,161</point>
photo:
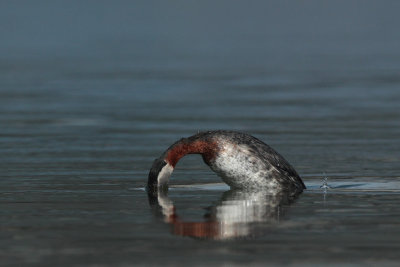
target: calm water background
<point>91,93</point>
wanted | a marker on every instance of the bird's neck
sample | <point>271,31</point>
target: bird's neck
<point>208,149</point>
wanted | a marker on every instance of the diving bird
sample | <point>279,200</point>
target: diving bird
<point>241,160</point>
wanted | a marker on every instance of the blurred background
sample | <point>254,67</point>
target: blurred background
<point>298,74</point>
<point>92,91</point>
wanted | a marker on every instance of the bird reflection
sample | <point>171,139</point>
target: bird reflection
<point>234,215</point>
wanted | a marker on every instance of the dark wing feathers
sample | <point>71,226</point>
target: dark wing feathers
<point>285,171</point>
<point>264,151</point>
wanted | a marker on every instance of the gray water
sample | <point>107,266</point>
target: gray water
<point>91,93</point>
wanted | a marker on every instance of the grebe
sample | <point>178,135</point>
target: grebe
<point>241,160</point>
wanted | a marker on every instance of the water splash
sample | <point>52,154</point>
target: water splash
<point>325,186</point>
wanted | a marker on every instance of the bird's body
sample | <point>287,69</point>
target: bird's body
<point>241,160</point>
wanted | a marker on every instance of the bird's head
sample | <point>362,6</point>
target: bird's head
<point>159,175</point>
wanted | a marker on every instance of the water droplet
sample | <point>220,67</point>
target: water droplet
<point>325,186</point>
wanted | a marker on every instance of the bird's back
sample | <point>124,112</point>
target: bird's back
<point>246,160</point>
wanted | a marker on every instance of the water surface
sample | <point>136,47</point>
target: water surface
<point>90,95</point>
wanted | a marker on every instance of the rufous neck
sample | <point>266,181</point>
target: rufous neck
<point>207,149</point>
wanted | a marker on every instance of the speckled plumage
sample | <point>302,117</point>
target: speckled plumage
<point>241,160</point>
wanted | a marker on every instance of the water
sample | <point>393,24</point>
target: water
<point>91,94</point>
